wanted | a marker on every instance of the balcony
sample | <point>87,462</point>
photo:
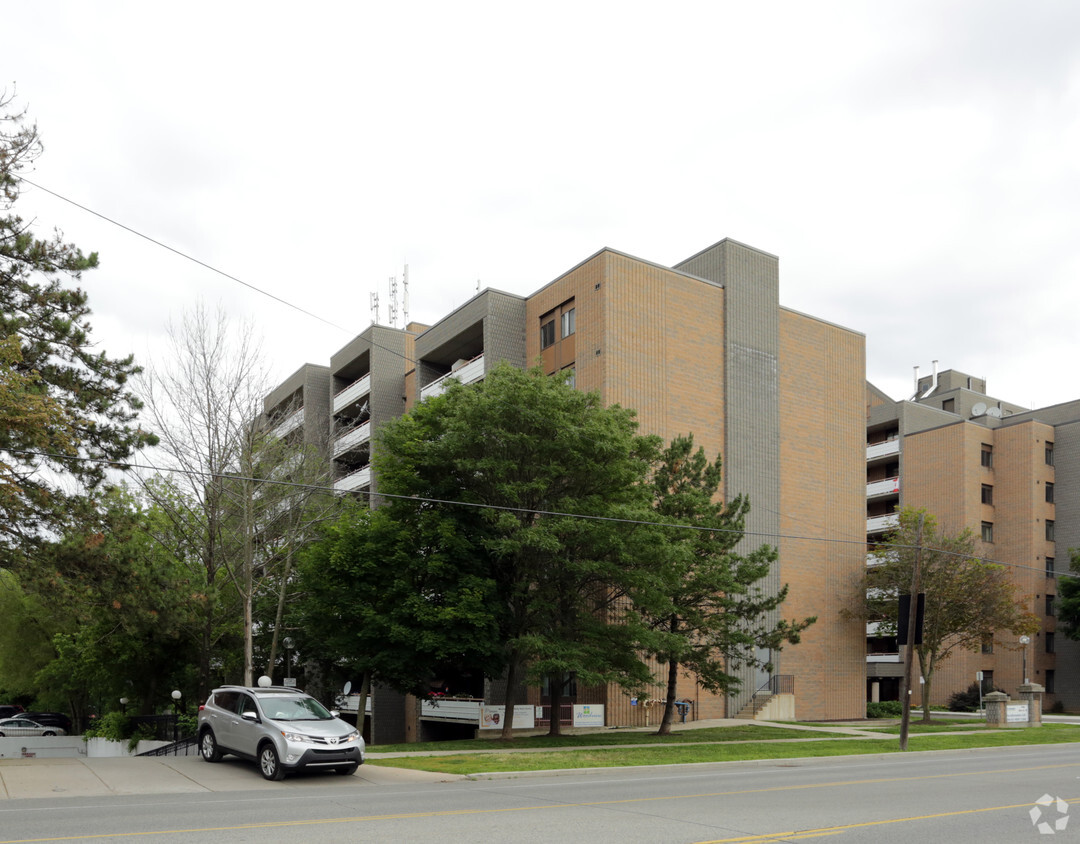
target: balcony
<point>291,423</point>
<point>885,449</point>
<point>881,524</point>
<point>888,486</point>
<point>357,480</point>
<point>883,657</point>
<point>353,393</point>
<point>352,439</point>
<point>467,373</point>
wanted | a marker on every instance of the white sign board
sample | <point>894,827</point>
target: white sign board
<point>588,715</point>
<point>1016,713</point>
<point>491,717</point>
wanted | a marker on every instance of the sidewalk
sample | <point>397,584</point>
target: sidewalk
<point>26,778</point>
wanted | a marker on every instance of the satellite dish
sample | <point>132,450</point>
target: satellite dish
<point>348,687</point>
<point>978,409</point>
<point>993,411</point>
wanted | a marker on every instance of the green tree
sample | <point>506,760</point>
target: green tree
<point>129,611</point>
<point>58,398</point>
<point>967,601</point>
<point>712,617</point>
<point>367,608</point>
<point>1067,609</point>
<point>529,457</point>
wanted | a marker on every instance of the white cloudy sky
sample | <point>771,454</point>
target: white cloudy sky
<point>914,165</point>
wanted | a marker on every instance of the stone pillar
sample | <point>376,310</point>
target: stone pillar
<point>995,708</point>
<point>1032,694</point>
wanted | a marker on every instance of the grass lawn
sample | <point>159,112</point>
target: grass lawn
<point>749,732</point>
<point>718,750</point>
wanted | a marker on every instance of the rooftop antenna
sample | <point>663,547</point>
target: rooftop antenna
<point>393,301</point>
<point>375,307</point>
<point>405,297</point>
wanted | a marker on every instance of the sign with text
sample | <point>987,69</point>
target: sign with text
<point>588,715</point>
<point>1016,713</point>
<point>491,717</point>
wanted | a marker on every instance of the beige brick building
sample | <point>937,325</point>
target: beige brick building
<point>1006,473</point>
<point>702,347</point>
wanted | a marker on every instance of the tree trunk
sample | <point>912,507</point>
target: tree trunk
<point>365,691</point>
<point>926,669</point>
<point>509,698</point>
<point>669,700</point>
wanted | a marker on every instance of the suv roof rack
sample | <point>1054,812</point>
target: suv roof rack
<point>292,689</point>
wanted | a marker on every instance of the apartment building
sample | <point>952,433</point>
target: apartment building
<point>1009,474</point>
<point>701,347</point>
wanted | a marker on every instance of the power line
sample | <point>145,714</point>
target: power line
<point>235,476</point>
<point>184,255</point>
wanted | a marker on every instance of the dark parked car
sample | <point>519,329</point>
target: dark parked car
<point>10,710</point>
<point>50,719</point>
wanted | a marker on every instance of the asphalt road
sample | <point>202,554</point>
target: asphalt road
<point>956,796</point>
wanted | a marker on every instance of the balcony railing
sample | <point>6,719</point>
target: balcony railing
<point>291,423</point>
<point>880,524</point>
<point>888,486</point>
<point>466,374</point>
<point>883,657</point>
<point>357,480</point>
<point>354,392</point>
<point>885,449</point>
<point>353,438</point>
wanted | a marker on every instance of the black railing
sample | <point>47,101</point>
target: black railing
<point>778,684</point>
<point>184,747</point>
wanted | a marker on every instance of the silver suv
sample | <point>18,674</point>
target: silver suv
<point>280,728</point>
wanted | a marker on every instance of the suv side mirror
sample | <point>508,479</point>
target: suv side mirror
<point>249,715</point>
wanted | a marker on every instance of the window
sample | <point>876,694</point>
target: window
<point>988,456</point>
<point>987,682</point>
<point>1049,684</point>
<point>571,377</point>
<point>569,322</point>
<point>987,494</point>
<point>1049,605</point>
<point>547,334</point>
<point>1049,566</point>
<point>1049,640</point>
<point>1049,493</point>
<point>988,644</point>
<point>1049,454</point>
<point>987,531</point>
<point>949,405</point>
<point>1049,530</point>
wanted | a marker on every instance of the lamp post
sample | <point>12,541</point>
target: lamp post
<point>176,695</point>
<point>123,705</point>
<point>1025,641</point>
<point>288,643</point>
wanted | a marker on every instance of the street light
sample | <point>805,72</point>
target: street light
<point>123,705</point>
<point>1025,641</point>
<point>288,643</point>
<point>176,695</point>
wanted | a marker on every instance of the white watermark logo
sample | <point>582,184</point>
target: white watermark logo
<point>1047,820</point>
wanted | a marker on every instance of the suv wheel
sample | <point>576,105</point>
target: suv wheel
<point>269,763</point>
<point>208,748</point>
<point>347,769</point>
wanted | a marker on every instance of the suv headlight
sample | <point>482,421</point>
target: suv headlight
<point>295,736</point>
<point>353,736</point>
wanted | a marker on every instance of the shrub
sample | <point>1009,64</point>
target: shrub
<point>965,701</point>
<point>1058,707</point>
<point>884,709</point>
<point>115,726</point>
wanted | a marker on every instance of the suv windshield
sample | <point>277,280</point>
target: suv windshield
<point>295,709</point>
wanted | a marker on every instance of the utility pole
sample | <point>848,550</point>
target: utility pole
<point>909,654</point>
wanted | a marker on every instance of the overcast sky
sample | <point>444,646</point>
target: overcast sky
<point>914,165</point>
